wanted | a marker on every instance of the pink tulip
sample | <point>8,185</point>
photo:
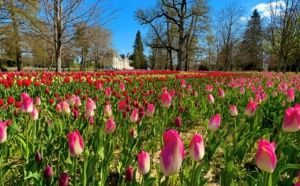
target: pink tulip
<point>37,101</point>
<point>291,121</point>
<point>172,153</point>
<point>264,96</point>
<point>221,93</point>
<point>58,108</point>
<point>89,108</point>
<point>290,95</point>
<point>166,100</point>
<point>110,126</point>
<point>196,148</point>
<point>182,83</point>
<point>134,115</point>
<point>107,92</point>
<point>211,99</point>
<point>214,123</point>
<point>47,172</point>
<point>172,94</point>
<point>250,108</point>
<point>122,87</point>
<point>65,108</point>
<point>266,157</point>
<point>107,111</point>
<point>34,114</point>
<point>195,94</point>
<point>143,162</point>
<point>76,145</point>
<point>71,100</point>
<point>78,101</point>
<point>209,88</point>
<point>63,181</point>
<point>165,90</point>
<point>283,103</point>
<point>189,88</point>
<point>3,132</point>
<point>150,110</point>
<point>274,94</point>
<point>233,111</point>
<point>242,90</point>
<point>26,103</point>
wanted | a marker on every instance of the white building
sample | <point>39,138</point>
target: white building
<point>119,63</point>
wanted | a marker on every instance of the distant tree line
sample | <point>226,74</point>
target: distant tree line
<point>185,35</point>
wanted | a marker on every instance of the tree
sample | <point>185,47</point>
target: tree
<point>138,57</point>
<point>229,30</point>
<point>252,43</point>
<point>282,30</point>
<point>14,29</point>
<point>178,13</point>
<point>65,18</point>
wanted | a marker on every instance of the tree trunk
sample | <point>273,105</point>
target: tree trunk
<point>58,33</point>
<point>170,59</point>
<point>279,63</point>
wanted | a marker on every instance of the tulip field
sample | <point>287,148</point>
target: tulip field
<point>144,128</point>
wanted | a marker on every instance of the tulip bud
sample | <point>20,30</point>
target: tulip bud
<point>177,121</point>
<point>291,121</point>
<point>150,110</point>
<point>134,115</point>
<point>233,111</point>
<point>166,100</point>
<point>250,108</point>
<point>266,157</point>
<point>132,133</point>
<point>172,153</point>
<point>76,144</point>
<point>47,172</point>
<point>214,122</point>
<point>211,99</point>
<point>3,132</point>
<point>107,111</point>
<point>34,114</point>
<point>110,126</point>
<point>143,162</point>
<point>63,181</point>
<point>37,101</point>
<point>129,174</point>
<point>196,148</point>
<point>65,108</point>
<point>38,156</point>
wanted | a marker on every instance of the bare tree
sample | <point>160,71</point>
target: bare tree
<point>178,13</point>
<point>229,30</point>
<point>283,15</point>
<point>65,17</point>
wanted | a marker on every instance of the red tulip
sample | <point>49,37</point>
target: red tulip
<point>63,181</point>
<point>47,172</point>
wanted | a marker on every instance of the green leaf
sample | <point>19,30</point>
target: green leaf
<point>35,176</point>
<point>149,181</point>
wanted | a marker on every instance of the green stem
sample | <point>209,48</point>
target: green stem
<point>26,131</point>
<point>75,170</point>
<point>282,145</point>
<point>166,181</point>
<point>234,137</point>
<point>143,178</point>
<point>1,164</point>
<point>193,173</point>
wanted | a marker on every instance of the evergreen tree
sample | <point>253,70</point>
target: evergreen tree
<point>252,43</point>
<point>138,57</point>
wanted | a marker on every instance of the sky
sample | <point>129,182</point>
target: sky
<point>125,27</point>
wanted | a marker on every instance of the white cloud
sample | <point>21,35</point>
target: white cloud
<point>243,18</point>
<point>264,8</point>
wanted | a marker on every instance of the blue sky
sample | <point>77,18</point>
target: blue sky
<point>124,27</point>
